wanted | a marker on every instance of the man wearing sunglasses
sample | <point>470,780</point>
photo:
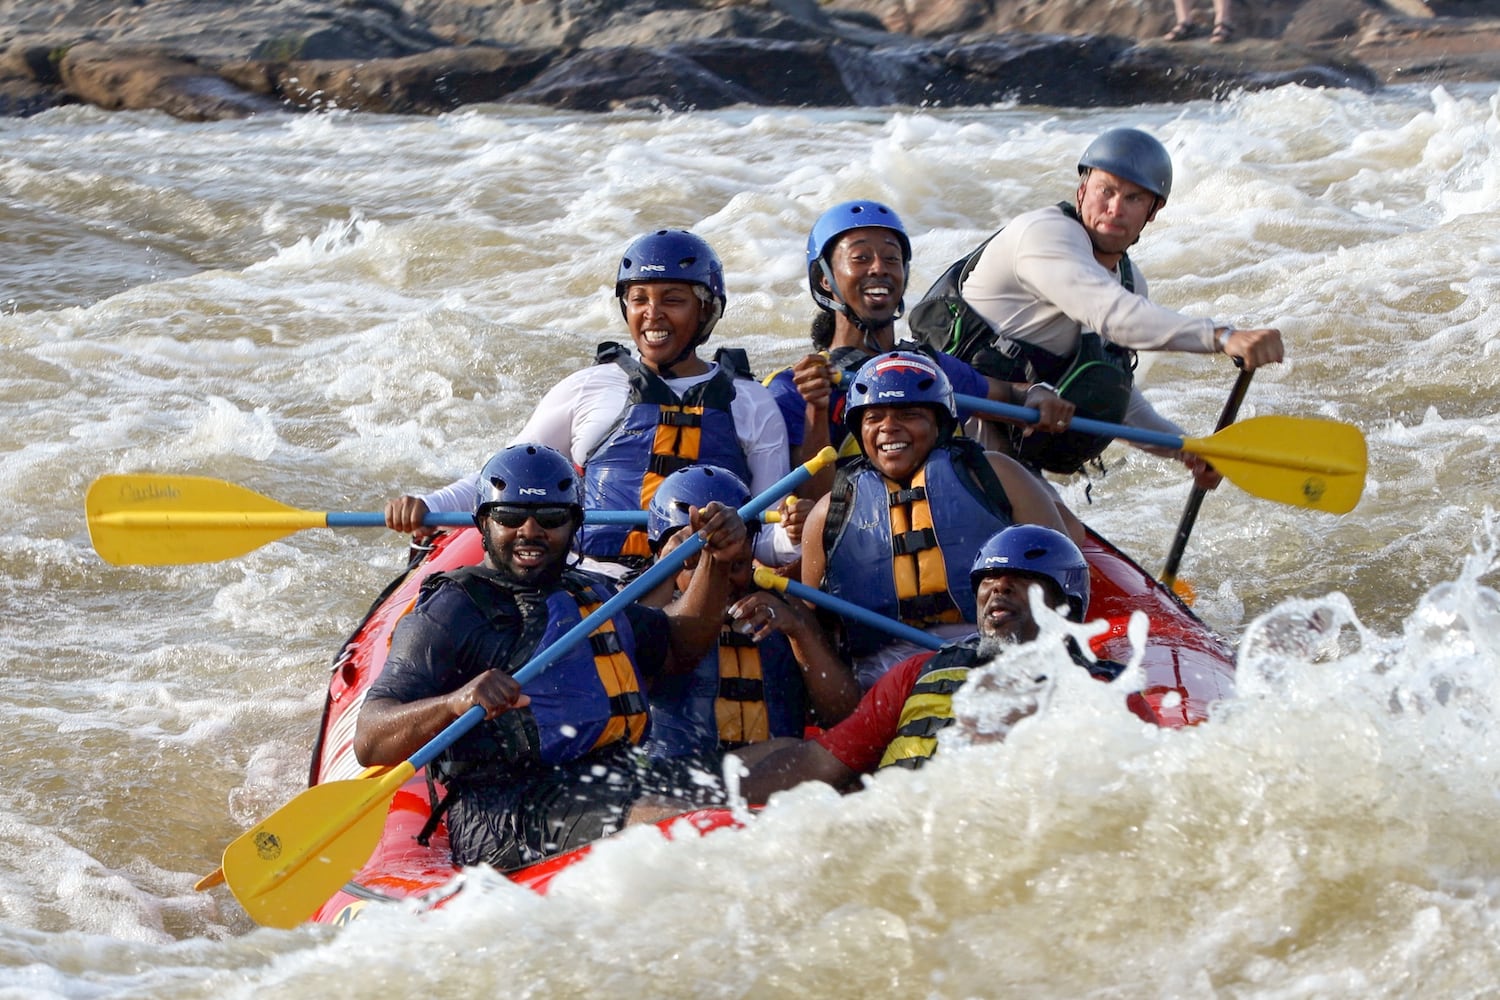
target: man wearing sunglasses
<point>558,763</point>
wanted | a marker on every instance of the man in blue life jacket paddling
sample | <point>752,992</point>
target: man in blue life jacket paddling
<point>558,763</point>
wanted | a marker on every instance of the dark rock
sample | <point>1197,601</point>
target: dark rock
<point>427,83</point>
<point>1155,72</point>
<point>606,79</point>
<point>206,59</point>
<point>1064,70</point>
<point>122,80</point>
<point>791,73</point>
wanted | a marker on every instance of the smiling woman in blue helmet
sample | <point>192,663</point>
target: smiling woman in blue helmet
<point>631,421</point>
<point>899,529</point>
<point>1057,286</point>
<point>858,264</point>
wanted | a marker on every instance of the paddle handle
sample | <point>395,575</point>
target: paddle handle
<point>1195,499</point>
<point>459,519</point>
<point>664,569</point>
<point>767,580</point>
<point>1086,425</point>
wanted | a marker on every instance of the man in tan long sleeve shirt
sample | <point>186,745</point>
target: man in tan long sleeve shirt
<point>1057,273</point>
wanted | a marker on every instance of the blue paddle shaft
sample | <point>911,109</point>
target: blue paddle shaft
<point>458,519</point>
<point>663,569</point>
<point>864,616</point>
<point>1027,414</point>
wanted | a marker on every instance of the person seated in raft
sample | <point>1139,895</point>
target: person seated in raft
<point>906,516</point>
<point>897,722</point>
<point>858,263</point>
<point>557,762</point>
<point>771,665</point>
<point>629,423</point>
<point>1054,296</point>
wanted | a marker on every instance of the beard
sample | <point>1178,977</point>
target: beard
<point>538,577</point>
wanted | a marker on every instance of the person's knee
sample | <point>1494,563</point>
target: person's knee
<point>654,809</point>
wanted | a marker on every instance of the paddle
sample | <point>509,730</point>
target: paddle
<point>767,580</point>
<point>145,519</point>
<point>216,877</point>
<point>284,868</point>
<point>1195,498</point>
<point>1301,461</point>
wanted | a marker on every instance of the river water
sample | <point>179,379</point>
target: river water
<point>329,309</point>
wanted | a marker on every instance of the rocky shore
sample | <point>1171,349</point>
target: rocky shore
<point>215,59</point>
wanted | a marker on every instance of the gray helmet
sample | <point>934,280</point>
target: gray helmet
<point>1133,155</point>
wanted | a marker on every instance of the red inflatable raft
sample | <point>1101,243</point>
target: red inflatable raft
<point>1187,669</point>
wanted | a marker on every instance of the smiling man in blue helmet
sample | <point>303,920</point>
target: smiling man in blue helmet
<point>899,528</point>
<point>898,720</point>
<point>858,263</point>
<point>1055,298</point>
<point>556,763</point>
<point>629,422</point>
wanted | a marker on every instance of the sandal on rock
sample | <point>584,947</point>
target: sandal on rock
<point>1223,32</point>
<point>1182,31</point>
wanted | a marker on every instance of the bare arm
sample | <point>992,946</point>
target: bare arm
<point>814,559</point>
<point>389,731</point>
<point>787,768</point>
<point>831,687</point>
<point>814,380</point>
<point>1029,500</point>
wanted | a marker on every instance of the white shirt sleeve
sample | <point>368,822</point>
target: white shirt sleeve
<point>1038,282</point>
<point>762,436</point>
<point>573,417</point>
<point>577,413</point>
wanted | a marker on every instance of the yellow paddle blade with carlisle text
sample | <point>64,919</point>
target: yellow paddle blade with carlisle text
<point>147,519</point>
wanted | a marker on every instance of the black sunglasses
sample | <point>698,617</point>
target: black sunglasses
<point>547,518</point>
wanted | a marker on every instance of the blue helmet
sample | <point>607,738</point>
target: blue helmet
<point>674,255</point>
<point>1036,551</point>
<point>532,475</point>
<point>1133,155</point>
<point>834,223</point>
<point>694,486</point>
<point>900,378</point>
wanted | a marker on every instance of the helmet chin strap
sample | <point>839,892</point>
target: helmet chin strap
<point>864,326</point>
<point>705,327</point>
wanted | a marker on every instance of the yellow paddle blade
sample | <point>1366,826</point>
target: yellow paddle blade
<point>283,869</point>
<point>1301,461</point>
<point>158,520</point>
<point>216,877</point>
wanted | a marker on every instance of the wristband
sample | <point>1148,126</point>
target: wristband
<point>1043,385</point>
<point>1221,338</point>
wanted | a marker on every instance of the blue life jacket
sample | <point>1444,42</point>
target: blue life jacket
<point>904,550</point>
<point>742,692</point>
<point>589,698</point>
<point>657,433</point>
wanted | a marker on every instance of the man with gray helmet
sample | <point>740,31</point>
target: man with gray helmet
<point>1056,289</point>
